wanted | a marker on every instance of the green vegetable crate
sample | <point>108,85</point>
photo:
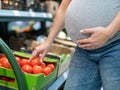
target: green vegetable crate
<point>25,81</point>
<point>65,53</point>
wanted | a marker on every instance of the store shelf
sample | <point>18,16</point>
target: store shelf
<point>15,15</point>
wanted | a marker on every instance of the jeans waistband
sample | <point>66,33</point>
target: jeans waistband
<point>102,48</point>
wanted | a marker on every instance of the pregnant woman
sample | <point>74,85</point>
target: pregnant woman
<point>94,25</point>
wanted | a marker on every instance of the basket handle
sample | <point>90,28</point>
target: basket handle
<point>18,73</point>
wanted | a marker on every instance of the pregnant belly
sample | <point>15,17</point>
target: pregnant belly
<point>82,14</point>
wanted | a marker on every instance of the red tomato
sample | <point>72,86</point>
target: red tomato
<point>51,66</point>
<point>0,64</point>
<point>2,59</point>
<point>37,69</point>
<point>5,63</point>
<point>27,68</point>
<point>24,62</point>
<point>17,58</point>
<point>19,62</point>
<point>35,61</point>
<point>43,65</point>
<point>3,55</point>
<point>47,71</point>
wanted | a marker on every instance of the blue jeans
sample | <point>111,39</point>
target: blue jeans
<point>93,69</point>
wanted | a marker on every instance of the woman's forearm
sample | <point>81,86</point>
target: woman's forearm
<point>57,26</point>
<point>114,26</point>
<point>59,21</point>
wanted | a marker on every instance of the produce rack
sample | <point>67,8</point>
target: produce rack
<point>11,15</point>
<point>15,15</point>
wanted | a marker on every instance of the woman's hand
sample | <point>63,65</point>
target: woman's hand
<point>98,37</point>
<point>41,50</point>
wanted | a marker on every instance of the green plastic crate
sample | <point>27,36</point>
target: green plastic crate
<point>34,81</point>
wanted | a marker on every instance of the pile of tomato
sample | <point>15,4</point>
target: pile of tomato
<point>33,66</point>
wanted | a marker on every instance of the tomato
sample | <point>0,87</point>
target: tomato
<point>0,64</point>
<point>43,65</point>
<point>47,70</point>
<point>51,66</point>
<point>27,68</point>
<point>17,58</point>
<point>5,63</point>
<point>35,61</point>
<point>19,62</point>
<point>37,69</point>
<point>24,61</point>
<point>3,55</point>
<point>2,59</point>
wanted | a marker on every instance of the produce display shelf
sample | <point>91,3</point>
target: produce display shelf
<point>15,15</point>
